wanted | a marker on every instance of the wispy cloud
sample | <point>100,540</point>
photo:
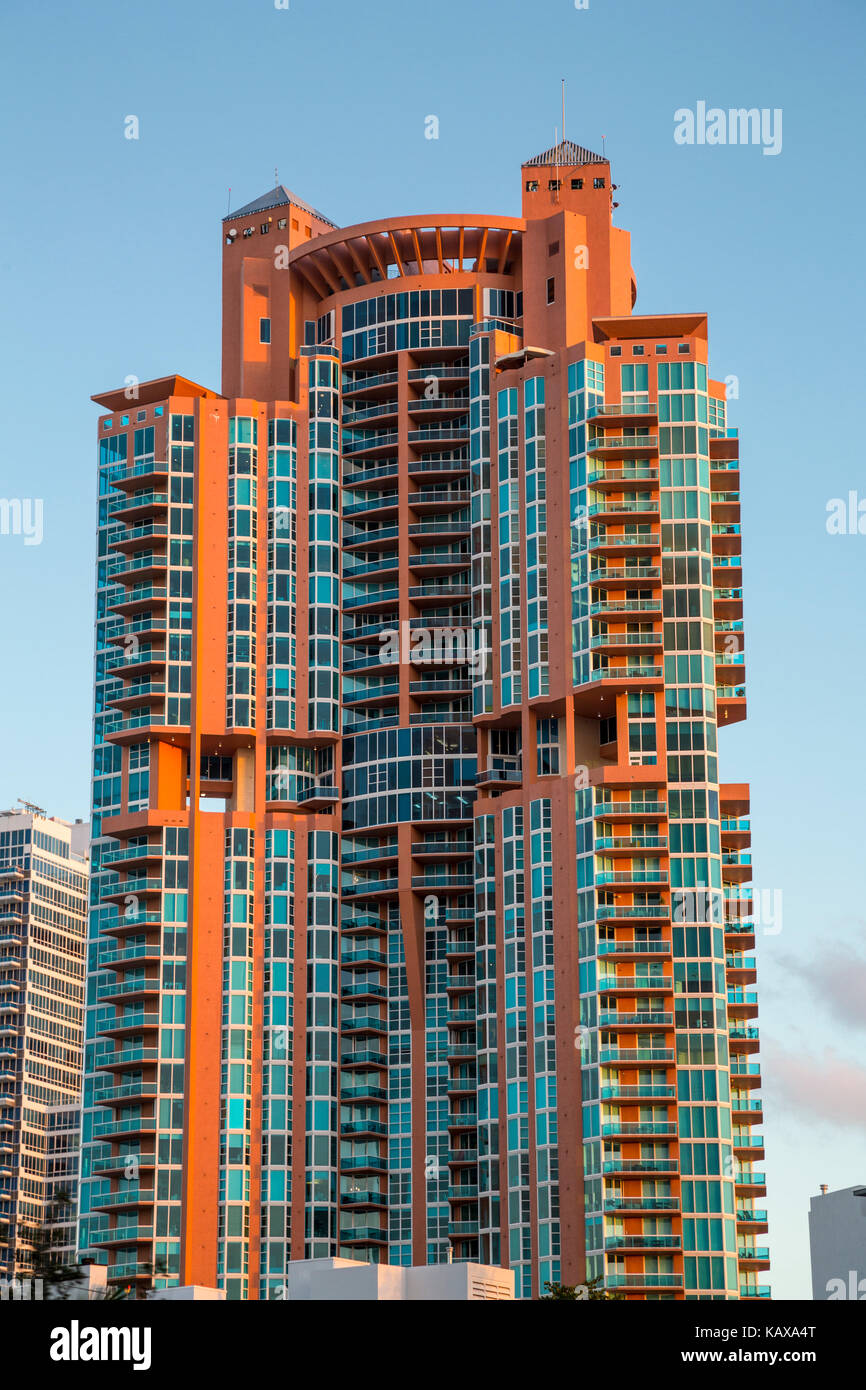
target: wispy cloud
<point>817,1086</point>
<point>837,978</point>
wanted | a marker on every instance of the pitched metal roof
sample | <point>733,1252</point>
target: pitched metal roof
<point>567,153</point>
<point>277,198</point>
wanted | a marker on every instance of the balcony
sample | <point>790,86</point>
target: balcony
<point>609,542</point>
<point>499,773</point>
<point>640,1165</point>
<point>642,1242</point>
<point>612,912</point>
<point>636,1056</point>
<point>643,1281</point>
<point>635,408</point>
<point>633,445</point>
<point>130,479</point>
<point>641,1204</point>
<point>137,505</point>
<point>364,1235</point>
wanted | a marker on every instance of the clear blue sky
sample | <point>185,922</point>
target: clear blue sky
<point>110,259</point>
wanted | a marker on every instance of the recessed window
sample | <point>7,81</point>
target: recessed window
<point>248,231</point>
<point>265,228</point>
<point>106,424</point>
<point>157,410</point>
<point>124,419</point>
<point>281,224</point>
<point>577,183</point>
<point>682,348</point>
<point>598,183</point>
<point>308,231</point>
<point>294,224</point>
<point>637,350</point>
<point>551,289</point>
<point>142,415</point>
<point>554,185</point>
<point>553,248</point>
<point>616,352</point>
<point>532,185</point>
<point>264,330</point>
<point>661,349</point>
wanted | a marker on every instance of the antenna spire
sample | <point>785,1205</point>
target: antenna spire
<point>563,110</point>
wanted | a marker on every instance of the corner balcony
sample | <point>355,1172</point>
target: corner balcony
<point>139,598</point>
<point>116,1164</point>
<point>150,693</point>
<point>742,1003</point>
<point>743,1039</point>
<point>380,411</point>
<point>369,443</point>
<point>385,503</point>
<point>749,1183</point>
<point>356,383</point>
<point>131,855</point>
<point>137,569</point>
<point>132,887</point>
<point>726,539</point>
<point>372,539</point>
<point>126,1058</point>
<point>372,886</point>
<point>133,537</point>
<point>751,1221</point>
<point>132,479</point>
<point>129,991</point>
<point>745,1074</point>
<point>143,1021</point>
<point>135,1126</point>
<point>384,472</point>
<point>129,1093</point>
<point>744,1110</point>
<point>124,1199</point>
<point>137,505</point>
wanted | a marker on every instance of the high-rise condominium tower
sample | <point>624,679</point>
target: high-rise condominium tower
<point>418,928</point>
<point>43,924</point>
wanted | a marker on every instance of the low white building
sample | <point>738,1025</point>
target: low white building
<point>334,1280</point>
